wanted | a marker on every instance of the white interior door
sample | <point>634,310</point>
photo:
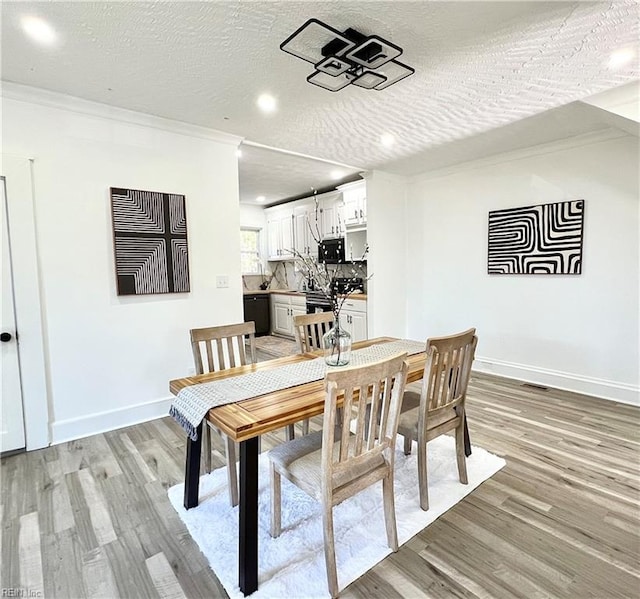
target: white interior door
<point>12,425</point>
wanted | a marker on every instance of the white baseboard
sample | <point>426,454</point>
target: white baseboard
<point>611,390</point>
<point>76,428</point>
<point>101,422</point>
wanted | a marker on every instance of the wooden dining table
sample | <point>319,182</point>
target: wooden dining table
<point>245,421</point>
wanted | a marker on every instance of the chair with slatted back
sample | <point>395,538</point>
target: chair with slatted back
<point>218,348</point>
<point>309,329</point>
<point>335,463</point>
<point>440,406</point>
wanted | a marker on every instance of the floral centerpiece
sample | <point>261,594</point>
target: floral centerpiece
<point>321,277</point>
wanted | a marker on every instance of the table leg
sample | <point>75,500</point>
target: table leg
<point>192,470</point>
<point>248,547</point>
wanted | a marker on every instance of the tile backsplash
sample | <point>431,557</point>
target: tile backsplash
<point>283,275</point>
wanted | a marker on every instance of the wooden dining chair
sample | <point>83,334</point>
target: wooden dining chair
<point>309,329</point>
<point>335,463</point>
<point>440,406</point>
<point>218,348</point>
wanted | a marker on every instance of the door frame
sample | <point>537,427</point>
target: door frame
<point>21,220</point>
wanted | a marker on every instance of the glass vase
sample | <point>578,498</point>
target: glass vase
<point>337,345</point>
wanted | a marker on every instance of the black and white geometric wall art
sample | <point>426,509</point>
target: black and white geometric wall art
<point>536,240</point>
<point>150,240</point>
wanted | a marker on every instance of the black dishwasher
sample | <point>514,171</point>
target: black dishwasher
<point>256,308</point>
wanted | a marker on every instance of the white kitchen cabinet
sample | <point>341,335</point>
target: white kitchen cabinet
<point>306,230</point>
<point>281,318</point>
<point>298,226</point>
<point>280,232</point>
<point>353,317</point>
<point>283,309</point>
<point>273,238</point>
<point>354,196</point>
<point>332,219</point>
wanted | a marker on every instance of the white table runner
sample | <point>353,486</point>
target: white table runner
<point>192,403</point>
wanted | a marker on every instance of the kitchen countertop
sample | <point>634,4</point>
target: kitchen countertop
<point>270,291</point>
<point>355,296</point>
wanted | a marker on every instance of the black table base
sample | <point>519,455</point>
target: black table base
<point>192,470</point>
<point>248,558</point>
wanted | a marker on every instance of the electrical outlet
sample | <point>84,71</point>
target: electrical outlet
<point>222,281</point>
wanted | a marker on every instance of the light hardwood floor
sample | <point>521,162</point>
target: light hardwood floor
<point>91,518</point>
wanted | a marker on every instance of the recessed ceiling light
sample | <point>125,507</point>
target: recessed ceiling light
<point>621,57</point>
<point>387,140</point>
<point>260,199</point>
<point>39,30</point>
<point>266,103</point>
<point>336,175</point>
<point>239,153</point>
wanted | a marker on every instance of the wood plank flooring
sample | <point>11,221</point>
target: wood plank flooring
<point>91,518</point>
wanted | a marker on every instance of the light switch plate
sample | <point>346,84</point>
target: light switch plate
<point>222,281</point>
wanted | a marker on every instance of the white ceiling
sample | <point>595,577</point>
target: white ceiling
<point>480,67</point>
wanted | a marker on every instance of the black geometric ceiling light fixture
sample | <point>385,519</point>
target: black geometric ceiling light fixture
<point>346,58</point>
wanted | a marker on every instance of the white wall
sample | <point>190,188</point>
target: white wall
<point>109,358</point>
<point>387,263</point>
<point>574,332</point>
<point>254,217</point>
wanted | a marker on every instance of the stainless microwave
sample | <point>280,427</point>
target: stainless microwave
<point>331,251</point>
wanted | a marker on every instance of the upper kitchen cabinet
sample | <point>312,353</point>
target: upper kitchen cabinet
<point>280,232</point>
<point>354,196</point>
<point>332,215</point>
<point>299,226</point>
<point>306,227</point>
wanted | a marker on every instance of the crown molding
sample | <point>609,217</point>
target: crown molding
<point>36,95</point>
<point>576,141</point>
<point>623,95</point>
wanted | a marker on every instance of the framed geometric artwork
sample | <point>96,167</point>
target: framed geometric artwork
<point>537,240</point>
<point>150,242</point>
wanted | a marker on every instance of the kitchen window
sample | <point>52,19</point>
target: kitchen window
<point>250,259</point>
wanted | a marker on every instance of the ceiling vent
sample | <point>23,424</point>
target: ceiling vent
<point>347,58</point>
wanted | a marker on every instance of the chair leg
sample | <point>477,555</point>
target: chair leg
<point>276,505</point>
<point>462,460</point>
<point>407,445</point>
<point>291,432</point>
<point>422,475</point>
<point>329,549</point>
<point>390,511</point>
<point>206,434</point>
<point>305,426</point>
<point>232,473</point>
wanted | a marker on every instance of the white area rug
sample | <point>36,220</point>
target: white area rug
<point>293,564</point>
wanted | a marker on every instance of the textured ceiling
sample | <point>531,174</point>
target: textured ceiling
<point>275,175</point>
<point>479,66</point>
